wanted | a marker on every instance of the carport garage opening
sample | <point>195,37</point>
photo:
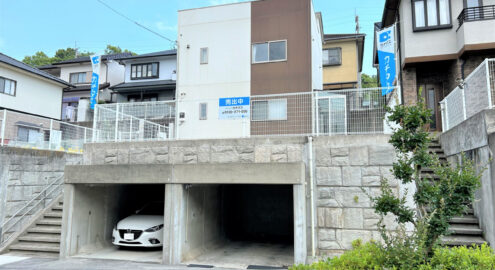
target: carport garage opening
<point>98,210</point>
<point>239,225</point>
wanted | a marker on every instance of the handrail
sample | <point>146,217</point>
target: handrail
<point>476,14</point>
<point>44,192</point>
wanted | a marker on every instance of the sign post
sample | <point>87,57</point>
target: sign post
<point>386,58</point>
<point>95,63</point>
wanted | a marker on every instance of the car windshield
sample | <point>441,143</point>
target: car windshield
<point>155,208</point>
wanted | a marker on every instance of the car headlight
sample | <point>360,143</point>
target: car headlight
<point>154,228</point>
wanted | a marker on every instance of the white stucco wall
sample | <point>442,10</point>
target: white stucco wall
<point>428,43</point>
<point>316,52</point>
<point>166,70</point>
<point>226,32</point>
<point>115,71</point>
<point>34,94</point>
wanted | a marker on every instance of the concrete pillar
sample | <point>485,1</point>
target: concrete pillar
<point>65,239</point>
<point>172,228</point>
<point>300,246</point>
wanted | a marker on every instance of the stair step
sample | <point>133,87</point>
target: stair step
<point>57,208</point>
<point>52,222</point>
<point>462,240</point>
<point>39,254</point>
<point>50,238</point>
<point>53,214</point>
<point>46,229</point>
<point>465,230</point>
<point>467,219</point>
<point>43,247</point>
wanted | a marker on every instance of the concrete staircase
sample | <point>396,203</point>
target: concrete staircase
<point>43,237</point>
<point>464,230</point>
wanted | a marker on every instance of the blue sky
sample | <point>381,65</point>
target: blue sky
<point>28,26</point>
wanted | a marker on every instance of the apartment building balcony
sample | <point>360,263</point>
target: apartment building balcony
<point>475,30</point>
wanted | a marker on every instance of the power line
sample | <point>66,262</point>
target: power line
<point>133,21</point>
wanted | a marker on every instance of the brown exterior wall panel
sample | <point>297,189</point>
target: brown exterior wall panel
<point>282,20</point>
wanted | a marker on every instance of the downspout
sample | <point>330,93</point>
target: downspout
<point>400,59</point>
<point>313,244</point>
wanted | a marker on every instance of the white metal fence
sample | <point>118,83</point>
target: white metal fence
<point>112,125</point>
<point>320,113</point>
<point>28,131</point>
<point>475,94</point>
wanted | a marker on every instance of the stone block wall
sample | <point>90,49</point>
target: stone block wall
<point>346,175</point>
<point>346,170</point>
<point>24,173</point>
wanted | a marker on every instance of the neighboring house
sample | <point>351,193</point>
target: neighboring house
<point>78,72</point>
<point>247,49</point>
<point>34,94</point>
<point>342,61</point>
<point>439,43</point>
<point>148,77</point>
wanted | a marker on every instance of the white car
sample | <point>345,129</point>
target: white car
<point>144,229</point>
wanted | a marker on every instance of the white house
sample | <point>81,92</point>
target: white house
<point>147,77</point>
<point>78,72</point>
<point>29,90</point>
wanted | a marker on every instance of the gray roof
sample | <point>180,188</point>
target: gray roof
<point>153,54</point>
<point>86,87</point>
<point>83,59</point>
<point>342,36</point>
<point>144,85</point>
<point>18,64</point>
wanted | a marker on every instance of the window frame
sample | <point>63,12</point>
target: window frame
<point>205,117</point>
<point>207,56</point>
<point>426,27</point>
<point>340,56</point>
<point>268,51</point>
<point>79,73</point>
<point>268,110</point>
<point>2,91</point>
<point>136,65</point>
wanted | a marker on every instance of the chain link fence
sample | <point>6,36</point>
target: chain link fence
<point>35,132</point>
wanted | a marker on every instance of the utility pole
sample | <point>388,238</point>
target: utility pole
<point>75,47</point>
<point>357,21</point>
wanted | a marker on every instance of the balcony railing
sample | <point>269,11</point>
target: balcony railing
<point>476,14</point>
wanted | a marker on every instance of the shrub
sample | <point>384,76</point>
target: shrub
<point>373,256</point>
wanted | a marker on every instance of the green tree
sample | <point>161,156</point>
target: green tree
<point>368,81</point>
<point>437,200</point>
<point>38,59</point>
<point>116,49</point>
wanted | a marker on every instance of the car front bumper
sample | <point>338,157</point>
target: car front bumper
<point>140,239</point>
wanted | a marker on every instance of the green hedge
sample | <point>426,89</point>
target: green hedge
<point>373,256</point>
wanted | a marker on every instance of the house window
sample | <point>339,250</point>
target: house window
<point>332,57</point>
<point>30,135</point>
<point>203,56</point>
<point>79,77</point>
<point>272,51</point>
<point>144,71</point>
<point>7,86</point>
<point>142,98</point>
<point>431,14</point>
<point>203,112</point>
<point>266,110</point>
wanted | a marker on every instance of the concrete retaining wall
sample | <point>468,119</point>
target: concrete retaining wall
<point>476,138</point>
<point>26,172</point>
<point>346,170</point>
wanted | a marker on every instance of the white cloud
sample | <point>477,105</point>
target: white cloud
<point>164,27</point>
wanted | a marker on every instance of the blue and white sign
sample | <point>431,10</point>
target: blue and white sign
<point>233,108</point>
<point>95,63</point>
<point>386,58</point>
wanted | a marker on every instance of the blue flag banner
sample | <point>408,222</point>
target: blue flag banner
<point>386,58</point>
<point>95,63</point>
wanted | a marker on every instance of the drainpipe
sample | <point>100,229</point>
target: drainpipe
<point>310,145</point>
